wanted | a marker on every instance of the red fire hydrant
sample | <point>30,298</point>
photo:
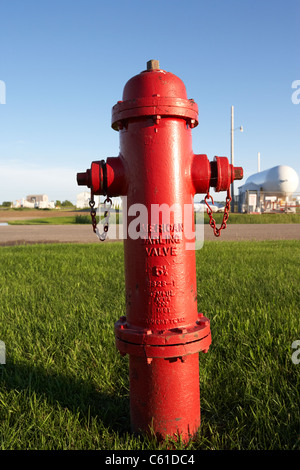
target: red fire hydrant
<point>162,331</point>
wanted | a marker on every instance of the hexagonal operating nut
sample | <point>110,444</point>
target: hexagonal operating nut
<point>153,64</point>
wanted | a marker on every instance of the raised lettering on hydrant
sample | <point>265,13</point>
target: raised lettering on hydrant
<point>162,331</point>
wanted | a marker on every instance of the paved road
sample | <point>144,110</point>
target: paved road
<point>28,234</point>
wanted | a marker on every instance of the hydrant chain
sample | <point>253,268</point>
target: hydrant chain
<point>102,236</point>
<point>212,222</point>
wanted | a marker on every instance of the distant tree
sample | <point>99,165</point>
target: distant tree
<point>57,203</point>
<point>6,204</point>
<point>67,203</point>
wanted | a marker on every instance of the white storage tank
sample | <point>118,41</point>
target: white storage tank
<point>281,180</point>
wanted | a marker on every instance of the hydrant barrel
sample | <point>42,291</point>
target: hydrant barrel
<point>160,274</point>
<point>159,174</point>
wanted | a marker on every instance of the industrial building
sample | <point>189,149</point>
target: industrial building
<point>271,190</point>
<point>82,200</point>
<point>35,201</point>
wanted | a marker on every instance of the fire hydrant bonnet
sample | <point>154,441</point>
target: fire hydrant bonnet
<point>154,93</point>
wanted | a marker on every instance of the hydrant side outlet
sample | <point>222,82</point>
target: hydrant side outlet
<point>162,330</point>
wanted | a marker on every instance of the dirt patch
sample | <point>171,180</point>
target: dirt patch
<point>29,234</point>
<point>257,232</point>
<point>29,214</point>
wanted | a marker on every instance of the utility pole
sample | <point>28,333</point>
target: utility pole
<point>232,152</point>
<point>232,155</point>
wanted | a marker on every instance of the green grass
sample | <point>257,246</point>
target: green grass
<point>45,221</point>
<point>65,386</point>
<point>115,218</point>
<point>68,220</point>
<point>235,218</point>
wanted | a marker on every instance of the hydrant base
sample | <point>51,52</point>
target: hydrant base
<point>164,377</point>
<point>165,396</point>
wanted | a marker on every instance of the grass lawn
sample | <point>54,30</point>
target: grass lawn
<point>65,386</point>
<point>116,218</point>
<point>67,220</point>
<point>257,218</point>
<point>45,220</point>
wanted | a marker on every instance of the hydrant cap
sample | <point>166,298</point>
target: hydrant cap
<point>154,92</point>
<point>154,82</point>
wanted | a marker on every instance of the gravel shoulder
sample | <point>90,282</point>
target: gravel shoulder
<point>31,234</point>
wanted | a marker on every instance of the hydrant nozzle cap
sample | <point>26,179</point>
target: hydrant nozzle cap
<point>83,179</point>
<point>238,173</point>
<point>153,64</point>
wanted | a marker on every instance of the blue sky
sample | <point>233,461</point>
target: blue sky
<point>65,63</point>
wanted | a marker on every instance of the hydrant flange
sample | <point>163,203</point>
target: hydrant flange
<point>175,342</point>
